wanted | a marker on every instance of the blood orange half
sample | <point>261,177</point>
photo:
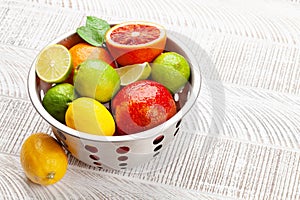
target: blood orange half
<point>136,42</point>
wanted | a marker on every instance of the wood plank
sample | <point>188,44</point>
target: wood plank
<point>15,63</point>
<point>86,184</point>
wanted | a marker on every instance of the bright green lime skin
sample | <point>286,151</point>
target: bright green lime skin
<point>172,70</point>
<point>97,79</point>
<point>56,100</point>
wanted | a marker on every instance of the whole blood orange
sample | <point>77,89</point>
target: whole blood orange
<point>135,42</point>
<point>142,105</point>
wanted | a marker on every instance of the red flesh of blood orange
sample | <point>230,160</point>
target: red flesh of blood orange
<point>136,42</point>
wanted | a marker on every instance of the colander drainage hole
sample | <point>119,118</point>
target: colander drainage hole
<point>122,158</point>
<point>123,150</point>
<point>176,131</point>
<point>91,149</point>
<point>158,148</point>
<point>94,157</point>
<point>122,164</point>
<point>178,123</point>
<point>97,163</point>
<point>155,154</point>
<point>158,139</point>
<point>61,135</point>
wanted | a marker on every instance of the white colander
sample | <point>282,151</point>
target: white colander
<point>118,152</point>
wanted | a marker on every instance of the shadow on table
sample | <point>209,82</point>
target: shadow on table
<point>195,140</point>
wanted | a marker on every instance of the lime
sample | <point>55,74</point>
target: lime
<point>54,64</point>
<point>97,79</point>
<point>56,100</point>
<point>135,72</point>
<point>90,116</point>
<point>172,70</point>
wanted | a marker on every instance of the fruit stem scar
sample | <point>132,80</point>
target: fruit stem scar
<point>50,175</point>
<point>135,34</point>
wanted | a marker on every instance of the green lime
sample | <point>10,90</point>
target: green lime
<point>172,70</point>
<point>135,72</point>
<point>57,99</point>
<point>54,64</point>
<point>97,79</point>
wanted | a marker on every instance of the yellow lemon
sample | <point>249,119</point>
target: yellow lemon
<point>88,115</point>
<point>43,160</point>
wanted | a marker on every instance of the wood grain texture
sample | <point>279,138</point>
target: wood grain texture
<point>15,64</point>
<point>241,139</point>
<point>98,185</point>
<point>251,50</point>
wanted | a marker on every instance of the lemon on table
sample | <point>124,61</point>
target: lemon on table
<point>131,73</point>
<point>90,116</point>
<point>57,99</point>
<point>43,160</point>
<point>172,70</point>
<point>54,64</point>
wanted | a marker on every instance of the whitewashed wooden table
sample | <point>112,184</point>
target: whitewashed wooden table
<point>240,141</point>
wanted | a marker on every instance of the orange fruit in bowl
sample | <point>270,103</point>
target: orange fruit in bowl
<point>43,159</point>
<point>83,51</point>
<point>135,42</point>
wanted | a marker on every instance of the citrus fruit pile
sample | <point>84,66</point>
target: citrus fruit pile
<point>118,80</point>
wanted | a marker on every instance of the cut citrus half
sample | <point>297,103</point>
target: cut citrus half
<point>54,64</point>
<point>131,73</point>
<point>135,42</point>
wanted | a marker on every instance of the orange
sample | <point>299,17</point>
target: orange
<point>43,160</point>
<point>135,42</point>
<point>83,51</point>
